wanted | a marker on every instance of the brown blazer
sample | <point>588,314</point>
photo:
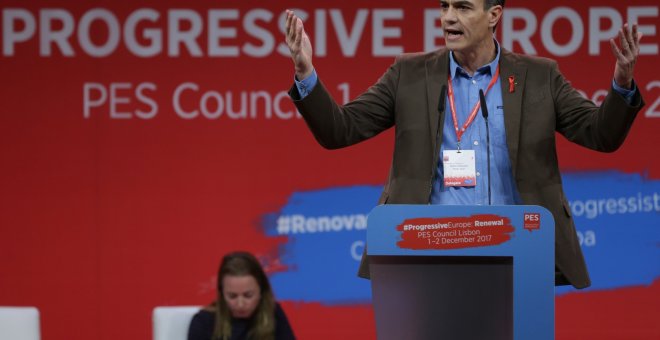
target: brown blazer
<point>407,97</point>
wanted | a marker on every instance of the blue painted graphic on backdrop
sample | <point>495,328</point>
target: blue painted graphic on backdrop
<point>617,217</point>
<point>618,221</point>
<point>326,231</point>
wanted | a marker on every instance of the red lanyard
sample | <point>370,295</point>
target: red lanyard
<point>473,114</point>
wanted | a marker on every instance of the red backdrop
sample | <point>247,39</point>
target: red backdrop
<point>112,206</point>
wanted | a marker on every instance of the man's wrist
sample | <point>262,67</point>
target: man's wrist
<point>624,84</point>
<point>306,85</point>
<point>627,93</point>
<point>304,74</point>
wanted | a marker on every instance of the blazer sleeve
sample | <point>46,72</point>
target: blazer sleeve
<point>601,128</point>
<point>335,126</point>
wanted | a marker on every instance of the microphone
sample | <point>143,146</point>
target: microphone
<point>484,113</point>
<point>436,150</point>
<point>443,98</point>
<point>441,111</point>
<point>484,107</point>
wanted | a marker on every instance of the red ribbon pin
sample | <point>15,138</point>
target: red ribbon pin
<point>512,84</point>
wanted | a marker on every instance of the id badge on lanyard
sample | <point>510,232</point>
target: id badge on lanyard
<point>459,168</point>
<point>460,165</point>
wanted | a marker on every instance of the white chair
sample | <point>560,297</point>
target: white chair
<point>171,323</point>
<point>19,323</point>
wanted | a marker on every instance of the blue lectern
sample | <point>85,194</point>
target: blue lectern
<point>462,272</point>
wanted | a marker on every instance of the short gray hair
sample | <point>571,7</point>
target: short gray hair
<point>490,3</point>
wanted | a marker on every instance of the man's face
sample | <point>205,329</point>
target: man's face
<point>466,24</point>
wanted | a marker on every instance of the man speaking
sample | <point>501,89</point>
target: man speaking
<point>446,151</point>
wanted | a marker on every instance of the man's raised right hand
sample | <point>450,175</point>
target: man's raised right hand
<point>299,45</point>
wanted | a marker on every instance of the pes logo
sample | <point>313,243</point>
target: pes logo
<point>531,221</point>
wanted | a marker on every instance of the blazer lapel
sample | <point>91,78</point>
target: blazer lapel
<point>512,80</point>
<point>437,68</point>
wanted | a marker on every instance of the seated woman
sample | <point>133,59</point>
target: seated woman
<point>245,308</point>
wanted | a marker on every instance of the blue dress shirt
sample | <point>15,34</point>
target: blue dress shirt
<point>466,95</point>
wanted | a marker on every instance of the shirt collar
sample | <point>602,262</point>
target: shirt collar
<point>492,66</point>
